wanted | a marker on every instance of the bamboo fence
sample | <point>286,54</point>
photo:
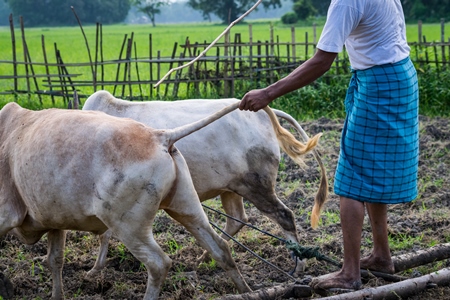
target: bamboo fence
<point>230,64</point>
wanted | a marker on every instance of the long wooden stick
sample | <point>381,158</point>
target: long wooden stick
<point>398,290</point>
<point>209,47</point>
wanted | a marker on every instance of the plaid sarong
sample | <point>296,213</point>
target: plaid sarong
<point>379,152</point>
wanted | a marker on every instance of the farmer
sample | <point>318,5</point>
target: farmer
<point>378,158</point>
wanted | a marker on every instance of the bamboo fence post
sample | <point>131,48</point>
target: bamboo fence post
<point>232,68</point>
<point>288,55</point>
<point>444,61</point>
<point>187,48</point>
<point>62,81</point>
<point>268,62</point>
<point>272,50</point>
<point>119,63</point>
<point>436,57</point>
<point>58,66</point>
<point>172,58</point>
<point>258,64</point>
<point>137,71</point>
<point>176,84</point>
<point>129,57</point>
<point>419,24</point>
<point>226,87</point>
<point>241,64</point>
<point>314,38</point>
<point>217,82</point>
<point>207,77</point>
<point>86,43</point>
<point>66,75</point>
<point>197,71</point>
<point>150,55</point>
<point>314,33</point>
<point>101,57</point>
<point>94,82</point>
<point>49,79</point>
<point>427,61</point>
<point>293,44</point>
<point>306,45</point>
<point>25,56</point>
<point>158,70</point>
<point>250,41</point>
<point>36,85</point>
<point>278,48</point>
<point>14,55</point>
<point>127,71</point>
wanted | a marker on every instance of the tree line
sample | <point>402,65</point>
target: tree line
<point>58,12</point>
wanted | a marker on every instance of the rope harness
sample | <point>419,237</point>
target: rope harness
<point>299,252</point>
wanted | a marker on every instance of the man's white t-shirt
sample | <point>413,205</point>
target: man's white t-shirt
<point>373,32</point>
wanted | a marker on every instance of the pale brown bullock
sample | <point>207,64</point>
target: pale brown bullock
<point>78,170</point>
<point>235,157</point>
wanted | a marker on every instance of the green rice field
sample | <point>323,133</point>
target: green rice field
<point>71,43</point>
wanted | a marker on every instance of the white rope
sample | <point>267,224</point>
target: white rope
<point>209,47</point>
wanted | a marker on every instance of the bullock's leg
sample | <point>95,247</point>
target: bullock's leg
<point>233,205</point>
<point>185,207</point>
<point>197,224</point>
<point>55,253</point>
<point>141,244</point>
<point>103,251</point>
<point>273,208</point>
<point>134,229</point>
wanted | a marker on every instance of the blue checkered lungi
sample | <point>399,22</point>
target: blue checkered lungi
<point>379,152</point>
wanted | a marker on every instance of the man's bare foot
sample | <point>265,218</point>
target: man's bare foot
<point>335,280</point>
<point>377,264</point>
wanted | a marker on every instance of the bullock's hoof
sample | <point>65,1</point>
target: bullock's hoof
<point>6,287</point>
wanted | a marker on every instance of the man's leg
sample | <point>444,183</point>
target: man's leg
<point>349,277</point>
<point>380,258</point>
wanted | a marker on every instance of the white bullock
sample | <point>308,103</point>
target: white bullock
<point>235,157</point>
<point>85,170</point>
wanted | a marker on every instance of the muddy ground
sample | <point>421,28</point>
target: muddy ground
<point>417,225</point>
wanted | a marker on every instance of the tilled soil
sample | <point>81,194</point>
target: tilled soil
<point>414,226</point>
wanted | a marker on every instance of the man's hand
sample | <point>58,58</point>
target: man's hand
<point>255,100</point>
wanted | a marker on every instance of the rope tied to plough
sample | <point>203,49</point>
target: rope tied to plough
<point>299,251</point>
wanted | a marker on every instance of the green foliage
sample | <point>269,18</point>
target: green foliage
<point>58,12</point>
<point>434,92</point>
<point>427,11</point>
<point>325,97</point>
<point>289,18</point>
<point>304,9</point>
<point>226,10</point>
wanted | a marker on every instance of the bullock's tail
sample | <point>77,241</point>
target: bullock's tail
<point>177,133</point>
<point>322,194</point>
